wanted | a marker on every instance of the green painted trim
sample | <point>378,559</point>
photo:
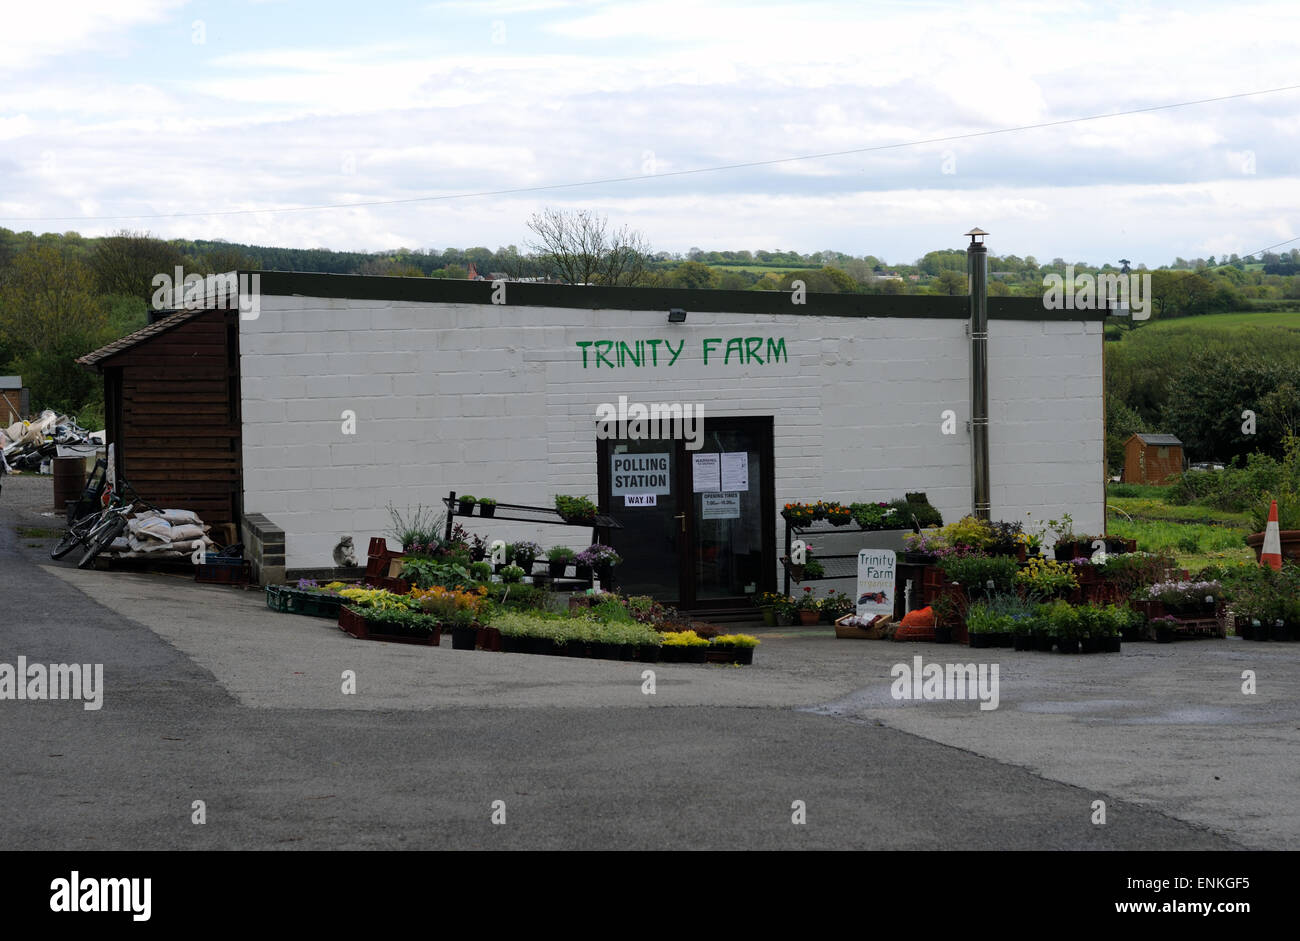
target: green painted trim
<point>775,303</point>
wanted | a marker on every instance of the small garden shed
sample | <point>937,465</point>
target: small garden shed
<point>172,411</point>
<point>1152,459</point>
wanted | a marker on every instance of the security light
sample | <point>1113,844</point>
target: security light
<point>677,315</point>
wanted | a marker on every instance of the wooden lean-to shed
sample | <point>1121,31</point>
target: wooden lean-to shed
<point>172,411</point>
<point>14,400</point>
<point>1152,459</point>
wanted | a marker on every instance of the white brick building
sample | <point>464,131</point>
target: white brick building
<point>846,397</point>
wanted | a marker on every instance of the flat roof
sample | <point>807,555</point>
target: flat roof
<point>590,297</point>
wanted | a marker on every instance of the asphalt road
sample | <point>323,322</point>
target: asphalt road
<point>209,697</point>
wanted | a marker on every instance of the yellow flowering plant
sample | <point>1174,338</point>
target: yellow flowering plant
<point>378,598</point>
<point>1046,577</point>
<point>684,639</point>
<point>736,640</point>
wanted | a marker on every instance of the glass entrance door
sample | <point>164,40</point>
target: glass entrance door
<point>699,526</point>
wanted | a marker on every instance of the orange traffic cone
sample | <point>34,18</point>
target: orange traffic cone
<point>1271,555</point>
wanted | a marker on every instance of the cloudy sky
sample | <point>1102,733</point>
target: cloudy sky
<point>126,114</point>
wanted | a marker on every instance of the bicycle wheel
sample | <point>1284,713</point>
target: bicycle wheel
<point>99,539</point>
<point>75,536</point>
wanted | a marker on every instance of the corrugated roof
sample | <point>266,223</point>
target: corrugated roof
<point>11,382</point>
<point>133,339</point>
<point>1160,440</point>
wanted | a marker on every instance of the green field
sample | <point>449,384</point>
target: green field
<point>758,269</point>
<point>1197,535</point>
<point>1289,320</point>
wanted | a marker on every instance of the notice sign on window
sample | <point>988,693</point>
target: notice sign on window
<point>641,499</point>
<point>720,506</point>
<point>706,473</point>
<point>876,570</point>
<point>638,474</point>
<point>735,471</point>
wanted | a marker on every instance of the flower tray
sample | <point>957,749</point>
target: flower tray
<point>357,626</point>
<point>395,585</point>
<point>742,656</point>
<point>288,600</point>
<point>219,571</point>
<point>1210,626</point>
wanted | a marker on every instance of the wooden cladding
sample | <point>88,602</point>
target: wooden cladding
<point>175,397</point>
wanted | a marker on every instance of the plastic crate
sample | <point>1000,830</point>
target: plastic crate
<point>219,571</point>
<point>288,600</point>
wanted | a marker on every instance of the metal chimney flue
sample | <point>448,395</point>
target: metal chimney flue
<point>977,274</point>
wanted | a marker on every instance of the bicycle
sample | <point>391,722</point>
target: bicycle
<point>97,531</point>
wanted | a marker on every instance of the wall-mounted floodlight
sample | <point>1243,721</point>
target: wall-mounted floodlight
<point>677,315</point>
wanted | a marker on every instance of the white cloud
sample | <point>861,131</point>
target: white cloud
<point>36,32</point>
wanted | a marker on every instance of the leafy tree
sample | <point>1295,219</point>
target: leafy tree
<point>126,263</point>
<point>820,281</point>
<point>693,274</point>
<point>950,282</point>
<point>1206,401</point>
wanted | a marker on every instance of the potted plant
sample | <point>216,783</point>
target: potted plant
<point>1022,631</point>
<point>813,569</point>
<point>767,603</point>
<point>576,510</point>
<point>924,548</point>
<point>487,507</point>
<point>1065,620</point>
<point>786,611</point>
<point>1115,621</point>
<point>835,605</point>
<point>684,647</point>
<point>979,575</point>
<point>1044,631</point>
<point>873,516</point>
<point>838,515</point>
<point>1046,578</point>
<point>808,607</point>
<point>798,514</point>
<point>1187,598</point>
<point>602,559</point>
<point>465,506</point>
<point>524,554</point>
<point>734,648</point>
<point>511,574</point>
<point>1165,627</point>
<point>944,608</point>
<point>984,624</point>
<point>558,559</point>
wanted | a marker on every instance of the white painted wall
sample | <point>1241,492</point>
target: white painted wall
<point>494,401</point>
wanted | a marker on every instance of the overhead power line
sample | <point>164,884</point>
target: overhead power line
<point>446,197</point>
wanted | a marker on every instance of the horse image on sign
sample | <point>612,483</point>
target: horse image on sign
<point>876,570</point>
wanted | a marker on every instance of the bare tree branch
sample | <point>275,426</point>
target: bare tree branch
<point>581,249</point>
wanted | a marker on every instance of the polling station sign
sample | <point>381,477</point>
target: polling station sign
<point>639,473</point>
<point>876,574</point>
